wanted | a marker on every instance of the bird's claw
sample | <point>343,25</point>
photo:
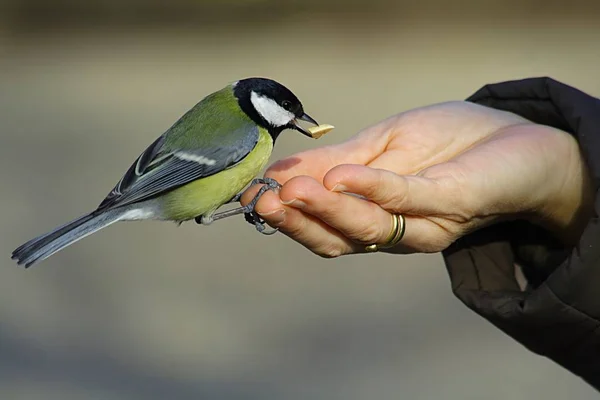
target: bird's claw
<point>254,219</point>
<point>271,183</point>
<point>252,216</point>
<point>248,210</point>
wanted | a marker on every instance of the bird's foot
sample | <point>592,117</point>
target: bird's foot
<point>270,182</point>
<point>252,216</point>
<point>248,210</point>
<point>255,219</point>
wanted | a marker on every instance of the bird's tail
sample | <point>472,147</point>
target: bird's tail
<point>44,246</point>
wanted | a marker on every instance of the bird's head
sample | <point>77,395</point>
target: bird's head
<point>271,105</point>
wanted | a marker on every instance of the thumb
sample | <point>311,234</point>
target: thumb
<point>408,194</point>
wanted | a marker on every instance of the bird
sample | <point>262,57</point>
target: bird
<point>202,162</point>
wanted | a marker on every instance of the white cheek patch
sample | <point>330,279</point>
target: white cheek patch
<point>272,112</point>
<point>195,158</point>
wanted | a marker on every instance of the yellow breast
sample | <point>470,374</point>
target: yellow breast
<point>207,194</point>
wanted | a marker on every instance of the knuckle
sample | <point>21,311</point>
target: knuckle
<point>392,192</point>
<point>294,228</point>
<point>327,213</point>
<point>294,188</point>
<point>372,187</point>
<point>330,251</point>
<point>368,233</point>
<point>294,231</point>
<point>396,201</point>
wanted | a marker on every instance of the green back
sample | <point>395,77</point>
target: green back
<point>213,136</point>
<point>215,120</point>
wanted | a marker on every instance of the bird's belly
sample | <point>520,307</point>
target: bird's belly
<point>207,194</point>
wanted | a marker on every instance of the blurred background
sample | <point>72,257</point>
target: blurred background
<point>154,311</point>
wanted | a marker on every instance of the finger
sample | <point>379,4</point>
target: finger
<point>359,149</point>
<point>301,227</point>
<point>357,219</point>
<point>364,222</point>
<point>312,233</point>
<point>398,193</point>
<point>421,235</point>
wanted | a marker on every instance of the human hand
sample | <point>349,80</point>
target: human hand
<point>449,168</point>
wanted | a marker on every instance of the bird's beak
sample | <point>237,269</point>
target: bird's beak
<point>307,118</point>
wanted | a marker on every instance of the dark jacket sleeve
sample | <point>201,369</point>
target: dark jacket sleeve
<point>558,314</point>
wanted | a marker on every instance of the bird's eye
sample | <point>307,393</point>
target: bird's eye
<point>287,105</point>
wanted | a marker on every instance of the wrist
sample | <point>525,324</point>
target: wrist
<point>569,207</point>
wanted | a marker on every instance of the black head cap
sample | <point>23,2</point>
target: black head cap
<point>270,104</point>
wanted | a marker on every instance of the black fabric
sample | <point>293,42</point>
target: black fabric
<point>558,314</point>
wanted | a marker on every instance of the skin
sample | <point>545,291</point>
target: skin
<point>450,168</point>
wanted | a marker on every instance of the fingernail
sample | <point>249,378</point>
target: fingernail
<point>339,188</point>
<point>294,203</point>
<point>275,216</point>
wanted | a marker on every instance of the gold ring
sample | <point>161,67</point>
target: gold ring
<point>395,236</point>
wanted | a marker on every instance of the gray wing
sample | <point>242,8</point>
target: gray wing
<point>158,170</point>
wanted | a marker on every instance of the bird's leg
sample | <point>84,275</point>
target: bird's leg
<point>207,219</point>
<point>250,215</point>
<point>272,183</point>
<point>235,198</point>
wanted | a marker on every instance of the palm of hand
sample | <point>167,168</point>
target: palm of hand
<point>449,168</point>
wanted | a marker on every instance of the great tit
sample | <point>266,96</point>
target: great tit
<point>199,164</point>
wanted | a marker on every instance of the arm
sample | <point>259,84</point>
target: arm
<point>489,189</point>
<point>558,315</point>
